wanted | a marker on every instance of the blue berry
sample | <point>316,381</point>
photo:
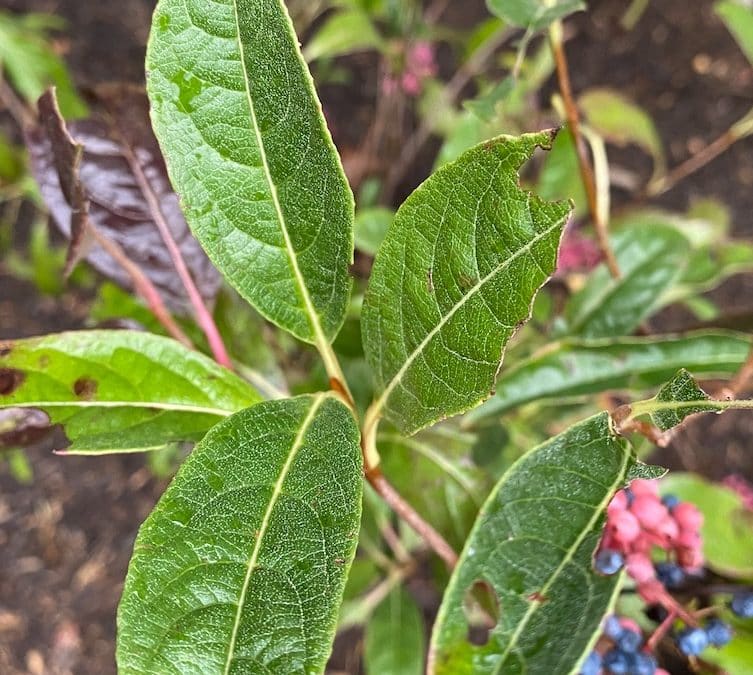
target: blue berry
<point>644,664</point>
<point>629,641</point>
<point>592,665</point>
<point>692,641</point>
<point>742,605</point>
<point>629,496</point>
<point>608,561</point>
<point>718,632</point>
<point>618,662</point>
<point>670,574</point>
<point>613,628</point>
<point>670,501</point>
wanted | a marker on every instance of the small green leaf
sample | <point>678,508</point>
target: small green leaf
<point>579,367</point>
<point>651,258</point>
<point>241,566</point>
<point>345,32</point>
<point>236,114</point>
<point>371,227</point>
<point>119,391</point>
<point>560,174</point>
<point>395,640</point>
<point>727,529</point>
<point>455,276</point>
<point>621,121</point>
<point>532,545</point>
<point>738,18</point>
<point>533,14</point>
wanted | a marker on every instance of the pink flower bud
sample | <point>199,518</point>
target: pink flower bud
<point>639,567</point>
<point>624,527</point>
<point>411,84</point>
<point>649,511</point>
<point>643,487</point>
<point>688,517</point>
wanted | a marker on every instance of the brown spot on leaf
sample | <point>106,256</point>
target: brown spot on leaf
<point>538,597</point>
<point>5,348</point>
<point>10,380</point>
<point>44,361</point>
<point>85,387</point>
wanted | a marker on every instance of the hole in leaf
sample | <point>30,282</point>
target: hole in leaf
<point>481,609</point>
<point>85,387</point>
<point>10,380</point>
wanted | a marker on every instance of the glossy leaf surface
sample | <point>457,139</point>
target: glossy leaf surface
<point>241,566</point>
<point>454,278</point>
<point>119,391</point>
<point>395,643</point>
<point>651,258</point>
<point>579,367</point>
<point>247,149</point>
<point>533,544</point>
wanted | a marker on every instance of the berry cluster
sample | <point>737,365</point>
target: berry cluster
<point>420,64</point>
<point>638,520</point>
<point>621,652</point>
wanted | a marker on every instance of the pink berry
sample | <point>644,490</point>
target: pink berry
<point>689,539</point>
<point>619,502</point>
<point>661,671</point>
<point>667,530</point>
<point>629,624</point>
<point>411,84</point>
<point>624,527</point>
<point>648,488</point>
<point>688,517</point>
<point>649,511</point>
<point>690,559</point>
<point>639,567</point>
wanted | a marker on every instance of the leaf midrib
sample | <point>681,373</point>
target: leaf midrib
<point>154,405</point>
<point>534,606</point>
<point>459,305</point>
<point>276,491</point>
<point>313,316</point>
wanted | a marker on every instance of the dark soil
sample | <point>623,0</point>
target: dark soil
<point>65,539</point>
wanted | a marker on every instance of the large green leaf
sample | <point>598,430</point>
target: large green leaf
<point>577,367</point>
<point>454,278</point>
<point>394,641</point>
<point>727,529</point>
<point>247,149</point>
<point>120,391</point>
<point>533,14</point>
<point>533,545</point>
<point>651,257</point>
<point>240,568</point>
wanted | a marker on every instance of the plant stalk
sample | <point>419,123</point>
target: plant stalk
<point>584,162</point>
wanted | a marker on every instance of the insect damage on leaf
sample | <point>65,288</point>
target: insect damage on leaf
<point>10,380</point>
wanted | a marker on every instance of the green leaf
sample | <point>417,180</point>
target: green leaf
<point>680,398</point>
<point>395,640</point>
<point>651,257</point>
<point>560,174</point>
<point>727,529</point>
<point>736,656</point>
<point>371,227</point>
<point>454,278</point>
<point>30,63</point>
<point>680,389</point>
<point>344,32</point>
<point>119,391</point>
<point>241,566</point>
<point>236,114</point>
<point>443,485</point>
<point>579,367</point>
<point>533,545</point>
<point>621,121</point>
<point>738,18</point>
<point>533,14</point>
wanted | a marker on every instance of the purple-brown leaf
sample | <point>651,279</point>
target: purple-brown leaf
<point>118,206</point>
